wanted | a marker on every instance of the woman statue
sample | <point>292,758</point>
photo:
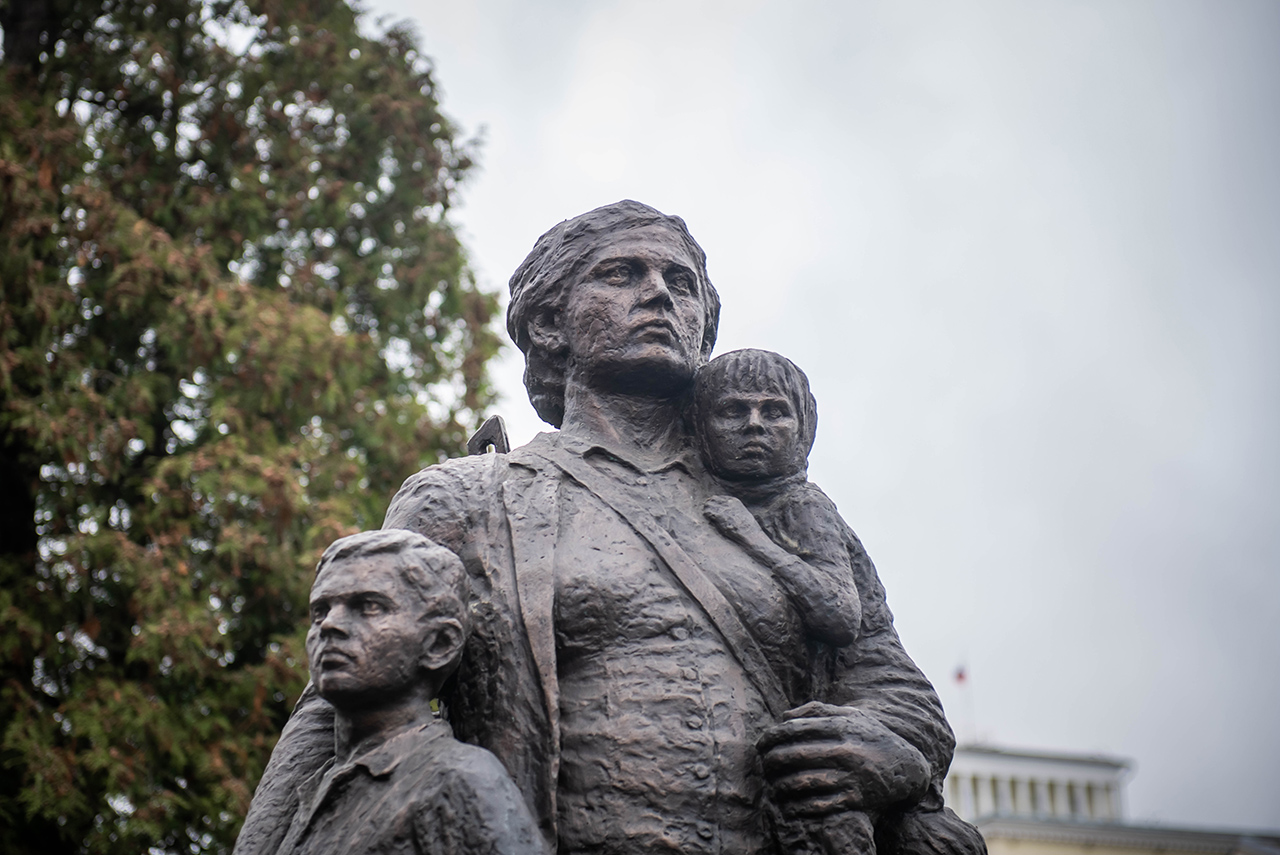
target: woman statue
<point>642,676</point>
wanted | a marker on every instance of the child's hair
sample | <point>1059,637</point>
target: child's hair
<point>755,369</point>
<point>430,571</point>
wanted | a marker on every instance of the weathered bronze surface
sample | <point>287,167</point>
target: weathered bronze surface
<point>388,624</point>
<point>677,643</point>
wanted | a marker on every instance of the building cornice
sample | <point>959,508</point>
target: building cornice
<point>1080,759</point>
<point>1131,836</point>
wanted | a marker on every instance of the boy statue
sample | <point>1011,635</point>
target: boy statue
<point>388,624</point>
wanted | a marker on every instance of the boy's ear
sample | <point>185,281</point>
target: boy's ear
<point>545,332</point>
<point>442,644</point>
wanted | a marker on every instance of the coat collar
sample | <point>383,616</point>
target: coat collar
<point>382,758</point>
<point>586,446</point>
<point>379,761</point>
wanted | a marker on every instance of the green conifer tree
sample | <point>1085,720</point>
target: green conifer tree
<point>234,317</point>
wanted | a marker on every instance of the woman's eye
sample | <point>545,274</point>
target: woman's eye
<point>618,274</point>
<point>370,608</point>
<point>318,614</point>
<point>681,281</point>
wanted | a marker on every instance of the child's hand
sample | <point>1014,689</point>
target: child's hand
<point>731,517</point>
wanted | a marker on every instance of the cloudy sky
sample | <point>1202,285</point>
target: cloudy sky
<point>1029,255</point>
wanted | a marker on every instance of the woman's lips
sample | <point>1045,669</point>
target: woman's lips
<point>659,324</point>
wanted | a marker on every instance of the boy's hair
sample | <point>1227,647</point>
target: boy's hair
<point>756,369</point>
<point>432,572</point>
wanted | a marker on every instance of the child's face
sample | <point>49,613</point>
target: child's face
<point>366,631</point>
<point>753,433</point>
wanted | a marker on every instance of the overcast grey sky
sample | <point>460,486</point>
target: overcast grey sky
<point>1029,255</point>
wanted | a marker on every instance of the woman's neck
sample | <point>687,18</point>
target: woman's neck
<point>645,424</point>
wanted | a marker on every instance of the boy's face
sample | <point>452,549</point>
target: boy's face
<point>367,631</point>
<point>753,434</point>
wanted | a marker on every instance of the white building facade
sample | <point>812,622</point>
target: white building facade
<point>989,782</point>
<point>1040,803</point>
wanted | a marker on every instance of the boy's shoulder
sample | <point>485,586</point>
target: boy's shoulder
<point>467,802</point>
<point>435,752</point>
<point>471,762</point>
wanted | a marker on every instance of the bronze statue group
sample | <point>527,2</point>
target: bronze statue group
<point>646,631</point>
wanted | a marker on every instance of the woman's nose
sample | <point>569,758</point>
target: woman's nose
<point>653,287</point>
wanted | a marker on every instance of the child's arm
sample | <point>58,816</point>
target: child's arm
<point>813,567</point>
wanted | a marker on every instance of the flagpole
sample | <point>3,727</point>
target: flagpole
<point>963,680</point>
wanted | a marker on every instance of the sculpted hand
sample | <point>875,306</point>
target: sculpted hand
<point>732,518</point>
<point>824,758</point>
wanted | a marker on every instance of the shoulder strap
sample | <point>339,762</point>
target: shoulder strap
<point>741,643</point>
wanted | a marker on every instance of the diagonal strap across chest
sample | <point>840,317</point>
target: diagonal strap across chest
<point>742,645</point>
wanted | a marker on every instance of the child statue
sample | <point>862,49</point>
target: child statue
<point>755,422</point>
<point>388,623</point>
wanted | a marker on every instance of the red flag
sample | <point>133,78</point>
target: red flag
<point>960,675</point>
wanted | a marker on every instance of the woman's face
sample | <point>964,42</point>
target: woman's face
<point>634,320</point>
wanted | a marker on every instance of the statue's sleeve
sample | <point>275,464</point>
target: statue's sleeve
<point>434,502</point>
<point>807,525</point>
<point>448,503</point>
<point>305,745</point>
<point>875,674</point>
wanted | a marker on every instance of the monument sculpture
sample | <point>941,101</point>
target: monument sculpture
<point>676,643</point>
<point>388,623</point>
